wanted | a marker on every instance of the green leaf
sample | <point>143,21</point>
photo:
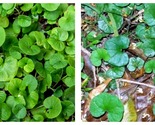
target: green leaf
<point>8,70</point>
<point>15,52</point>
<point>67,22</point>
<point>69,94</point>
<point>38,118</point>
<point>58,61</point>
<point>14,86</point>
<point>26,44</point>
<point>16,27</point>
<point>24,21</point>
<point>106,25</point>
<point>2,35</point>
<point>2,96</point>
<point>135,63</point>
<point>5,111</point>
<point>7,6</point>
<point>154,109</point>
<point>53,105</point>
<point>122,4</point>
<point>32,100</point>
<point>31,82</point>
<point>50,6</point>
<point>27,64</point>
<point>70,79</point>
<point>97,56</point>
<point>149,66</point>
<point>4,21</point>
<point>56,44</point>
<point>68,108</point>
<point>19,111</point>
<point>105,102</point>
<point>114,46</point>
<point>26,7</point>
<point>116,72</point>
<point>149,15</point>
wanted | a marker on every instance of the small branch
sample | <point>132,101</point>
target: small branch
<point>118,89</point>
<point>137,14</point>
<point>138,83</point>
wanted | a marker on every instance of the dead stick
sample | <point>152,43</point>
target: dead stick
<point>138,83</point>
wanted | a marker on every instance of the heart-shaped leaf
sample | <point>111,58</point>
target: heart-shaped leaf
<point>26,44</point>
<point>105,102</point>
<point>135,63</point>
<point>31,100</point>
<point>149,66</point>
<point>53,105</point>
<point>97,56</point>
<point>115,72</point>
<point>114,46</point>
<point>24,21</point>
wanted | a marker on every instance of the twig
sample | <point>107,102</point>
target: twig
<point>137,14</point>
<point>138,83</point>
<point>118,89</point>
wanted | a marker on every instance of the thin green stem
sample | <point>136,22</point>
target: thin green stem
<point>113,24</point>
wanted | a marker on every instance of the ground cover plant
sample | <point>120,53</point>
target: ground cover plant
<point>37,64</point>
<point>117,62</point>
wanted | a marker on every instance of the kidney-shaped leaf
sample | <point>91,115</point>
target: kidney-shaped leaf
<point>31,82</point>
<point>115,72</point>
<point>2,35</point>
<point>24,21</point>
<point>105,102</point>
<point>50,6</point>
<point>26,45</point>
<point>58,61</point>
<point>114,46</point>
<point>97,56</point>
<point>53,105</point>
<point>31,100</point>
<point>135,63</point>
<point>150,66</point>
<point>19,111</point>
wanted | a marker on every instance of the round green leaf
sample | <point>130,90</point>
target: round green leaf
<point>8,70</point>
<point>26,7</point>
<point>5,111</point>
<point>2,35</point>
<point>53,105</point>
<point>24,21</point>
<point>58,61</point>
<point>149,15</point>
<point>50,6</point>
<point>7,6</point>
<point>14,51</point>
<point>149,66</point>
<point>14,86</point>
<point>52,15</point>
<point>56,44</point>
<point>19,111</point>
<point>68,21</point>
<point>114,46</point>
<point>27,64</point>
<point>135,63</point>
<point>105,102</point>
<point>2,96</point>
<point>4,22</point>
<point>31,82</point>
<point>26,44</point>
<point>38,118</point>
<point>122,4</point>
<point>115,72</point>
<point>68,108</point>
<point>97,56</point>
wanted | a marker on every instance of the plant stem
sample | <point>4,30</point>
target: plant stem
<point>113,24</point>
<point>138,83</point>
